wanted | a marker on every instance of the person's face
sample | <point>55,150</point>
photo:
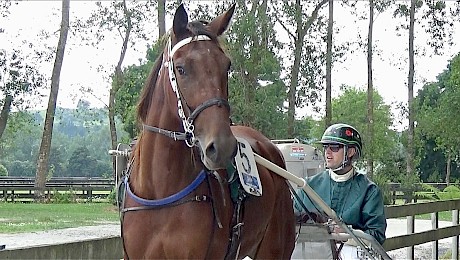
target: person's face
<point>333,153</point>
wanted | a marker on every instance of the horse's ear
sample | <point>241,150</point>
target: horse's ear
<point>221,22</point>
<point>180,21</point>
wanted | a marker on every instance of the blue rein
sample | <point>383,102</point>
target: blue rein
<point>170,199</point>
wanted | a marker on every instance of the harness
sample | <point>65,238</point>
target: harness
<point>188,137</point>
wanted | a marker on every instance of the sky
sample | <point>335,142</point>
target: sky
<point>81,62</point>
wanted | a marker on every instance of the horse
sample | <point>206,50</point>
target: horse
<point>179,199</point>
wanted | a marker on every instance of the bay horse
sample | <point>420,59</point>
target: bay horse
<point>178,203</point>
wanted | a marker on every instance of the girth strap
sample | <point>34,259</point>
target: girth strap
<point>235,239</point>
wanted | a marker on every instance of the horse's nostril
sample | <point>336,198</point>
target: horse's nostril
<point>211,151</point>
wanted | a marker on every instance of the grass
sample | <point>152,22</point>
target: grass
<point>442,216</point>
<point>28,217</point>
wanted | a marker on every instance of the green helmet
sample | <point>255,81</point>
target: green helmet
<point>343,134</point>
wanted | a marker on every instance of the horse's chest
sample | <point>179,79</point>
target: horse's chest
<point>175,234</point>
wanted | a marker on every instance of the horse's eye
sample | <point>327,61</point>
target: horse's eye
<point>180,69</point>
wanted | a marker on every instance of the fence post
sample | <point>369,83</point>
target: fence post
<point>90,194</point>
<point>410,230</point>
<point>455,238</point>
<point>435,244</point>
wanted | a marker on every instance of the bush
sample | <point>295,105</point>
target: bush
<point>382,181</point>
<point>432,193</point>
<point>64,197</point>
<point>450,192</point>
<point>3,170</point>
<point>112,197</point>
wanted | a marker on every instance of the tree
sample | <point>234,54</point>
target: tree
<point>437,115</point>
<point>370,91</point>
<point>43,156</point>
<point>348,107</point>
<point>81,164</point>
<point>439,20</point>
<point>255,84</point>
<point>329,64</point>
<point>118,79</point>
<point>128,22</point>
<point>161,18</point>
<point>4,9</point>
<point>303,53</point>
<point>18,80</point>
<point>128,94</point>
<point>410,93</point>
<point>3,170</point>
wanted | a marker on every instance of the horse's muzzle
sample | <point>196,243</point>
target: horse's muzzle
<point>218,152</point>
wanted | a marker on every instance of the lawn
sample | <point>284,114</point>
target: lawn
<point>442,216</point>
<point>28,217</point>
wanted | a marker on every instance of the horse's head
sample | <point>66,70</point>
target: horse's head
<point>198,69</point>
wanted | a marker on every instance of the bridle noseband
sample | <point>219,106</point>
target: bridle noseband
<point>187,122</point>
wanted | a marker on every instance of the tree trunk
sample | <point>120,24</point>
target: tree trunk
<point>43,155</point>
<point>370,95</point>
<point>5,113</point>
<point>449,160</point>
<point>330,27</point>
<point>161,18</point>
<point>302,30</point>
<point>118,81</point>
<point>410,96</point>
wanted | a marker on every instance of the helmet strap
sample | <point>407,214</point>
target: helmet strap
<point>345,162</point>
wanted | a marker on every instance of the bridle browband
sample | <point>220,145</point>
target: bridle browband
<point>187,122</point>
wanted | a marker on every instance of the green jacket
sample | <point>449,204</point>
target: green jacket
<point>357,201</point>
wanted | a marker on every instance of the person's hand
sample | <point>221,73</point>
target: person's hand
<point>338,229</point>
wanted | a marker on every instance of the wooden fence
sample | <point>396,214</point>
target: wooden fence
<point>411,238</point>
<point>398,191</point>
<point>22,188</point>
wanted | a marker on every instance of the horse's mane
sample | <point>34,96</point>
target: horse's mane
<point>195,28</point>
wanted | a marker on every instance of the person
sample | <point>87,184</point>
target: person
<point>355,199</point>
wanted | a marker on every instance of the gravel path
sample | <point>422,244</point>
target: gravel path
<point>59,236</point>
<point>396,227</point>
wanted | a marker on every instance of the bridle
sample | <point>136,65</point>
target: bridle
<point>187,122</point>
<point>188,136</point>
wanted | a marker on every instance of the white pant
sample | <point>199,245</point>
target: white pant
<point>349,252</point>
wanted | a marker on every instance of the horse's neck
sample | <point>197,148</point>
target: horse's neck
<point>162,164</point>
